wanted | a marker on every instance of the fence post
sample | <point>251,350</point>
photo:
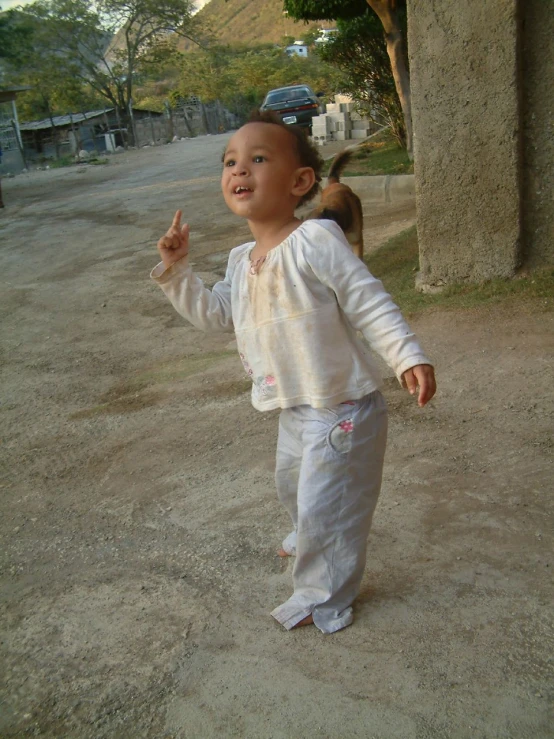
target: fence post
<point>169,116</point>
<point>221,127</point>
<point>204,118</point>
<point>187,123</point>
<point>152,129</point>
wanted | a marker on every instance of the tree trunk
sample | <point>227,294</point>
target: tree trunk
<point>388,15</point>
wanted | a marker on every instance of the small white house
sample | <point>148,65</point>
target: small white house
<point>325,34</point>
<point>298,48</point>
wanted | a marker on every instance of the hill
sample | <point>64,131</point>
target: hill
<point>253,21</point>
<point>242,22</point>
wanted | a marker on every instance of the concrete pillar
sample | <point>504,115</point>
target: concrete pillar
<point>464,65</point>
<point>538,131</point>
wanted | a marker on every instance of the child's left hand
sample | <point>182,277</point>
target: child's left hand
<point>422,376</point>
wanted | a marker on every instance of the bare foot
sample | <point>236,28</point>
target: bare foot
<point>281,552</point>
<point>305,621</point>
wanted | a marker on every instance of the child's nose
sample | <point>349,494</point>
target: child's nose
<point>240,168</point>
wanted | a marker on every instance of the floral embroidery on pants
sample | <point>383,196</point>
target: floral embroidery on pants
<point>340,437</point>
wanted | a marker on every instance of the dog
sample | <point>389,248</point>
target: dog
<point>340,203</point>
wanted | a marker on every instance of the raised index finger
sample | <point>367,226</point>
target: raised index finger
<point>177,219</point>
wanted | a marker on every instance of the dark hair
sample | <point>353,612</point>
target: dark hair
<point>307,153</point>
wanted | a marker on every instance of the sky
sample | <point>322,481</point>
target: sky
<point>8,4</point>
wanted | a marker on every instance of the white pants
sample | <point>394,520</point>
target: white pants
<point>328,475</point>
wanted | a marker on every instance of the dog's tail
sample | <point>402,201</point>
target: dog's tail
<point>337,165</point>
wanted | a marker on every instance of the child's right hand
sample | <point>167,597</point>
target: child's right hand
<point>175,244</point>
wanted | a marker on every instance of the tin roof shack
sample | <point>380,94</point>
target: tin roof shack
<point>66,135</point>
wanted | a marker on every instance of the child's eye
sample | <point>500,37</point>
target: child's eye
<point>258,159</point>
<point>229,163</point>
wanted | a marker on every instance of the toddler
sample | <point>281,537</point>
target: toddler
<point>296,297</point>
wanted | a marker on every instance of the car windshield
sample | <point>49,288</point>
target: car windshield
<point>280,96</point>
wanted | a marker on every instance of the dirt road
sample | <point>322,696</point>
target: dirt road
<point>140,523</point>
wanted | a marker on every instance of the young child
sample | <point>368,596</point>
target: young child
<point>296,297</point>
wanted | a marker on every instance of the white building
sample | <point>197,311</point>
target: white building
<point>298,48</point>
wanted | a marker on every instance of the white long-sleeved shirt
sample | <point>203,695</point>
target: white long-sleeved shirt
<point>296,320</point>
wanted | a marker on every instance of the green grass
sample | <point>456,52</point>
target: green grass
<point>397,262</point>
<point>69,161</point>
<point>380,156</point>
<point>65,161</point>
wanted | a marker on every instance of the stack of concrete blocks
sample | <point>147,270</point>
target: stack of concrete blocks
<point>361,127</point>
<point>340,122</point>
<point>323,128</point>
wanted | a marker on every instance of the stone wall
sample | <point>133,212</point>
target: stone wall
<point>482,212</point>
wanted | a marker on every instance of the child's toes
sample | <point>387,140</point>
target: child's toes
<point>306,621</point>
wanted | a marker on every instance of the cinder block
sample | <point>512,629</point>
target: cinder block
<point>355,116</point>
<point>323,123</point>
<point>338,116</point>
<point>359,133</point>
<point>343,98</point>
<point>322,138</point>
<point>341,135</point>
<point>343,126</point>
<point>347,107</point>
<point>332,108</point>
<point>362,123</point>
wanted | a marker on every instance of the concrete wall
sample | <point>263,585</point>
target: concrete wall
<point>481,184</point>
<point>538,131</point>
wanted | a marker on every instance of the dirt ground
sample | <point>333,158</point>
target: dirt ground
<point>140,523</point>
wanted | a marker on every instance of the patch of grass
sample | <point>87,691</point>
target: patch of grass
<point>397,262</point>
<point>380,156</point>
<point>69,161</point>
<point>65,161</point>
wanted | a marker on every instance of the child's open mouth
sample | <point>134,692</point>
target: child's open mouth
<point>242,192</point>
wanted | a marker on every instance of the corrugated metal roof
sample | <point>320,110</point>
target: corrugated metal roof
<point>63,120</point>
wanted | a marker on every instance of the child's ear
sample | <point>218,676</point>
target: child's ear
<point>304,180</point>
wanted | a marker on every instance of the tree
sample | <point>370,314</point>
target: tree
<point>240,77</point>
<point>53,89</point>
<point>107,43</point>
<point>14,36</point>
<point>359,51</point>
<point>390,14</point>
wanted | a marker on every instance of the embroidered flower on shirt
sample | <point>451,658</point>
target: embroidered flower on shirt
<point>265,385</point>
<point>247,367</point>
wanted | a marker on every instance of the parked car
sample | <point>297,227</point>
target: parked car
<point>296,104</point>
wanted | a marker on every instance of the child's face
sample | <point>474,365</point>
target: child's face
<point>261,172</point>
